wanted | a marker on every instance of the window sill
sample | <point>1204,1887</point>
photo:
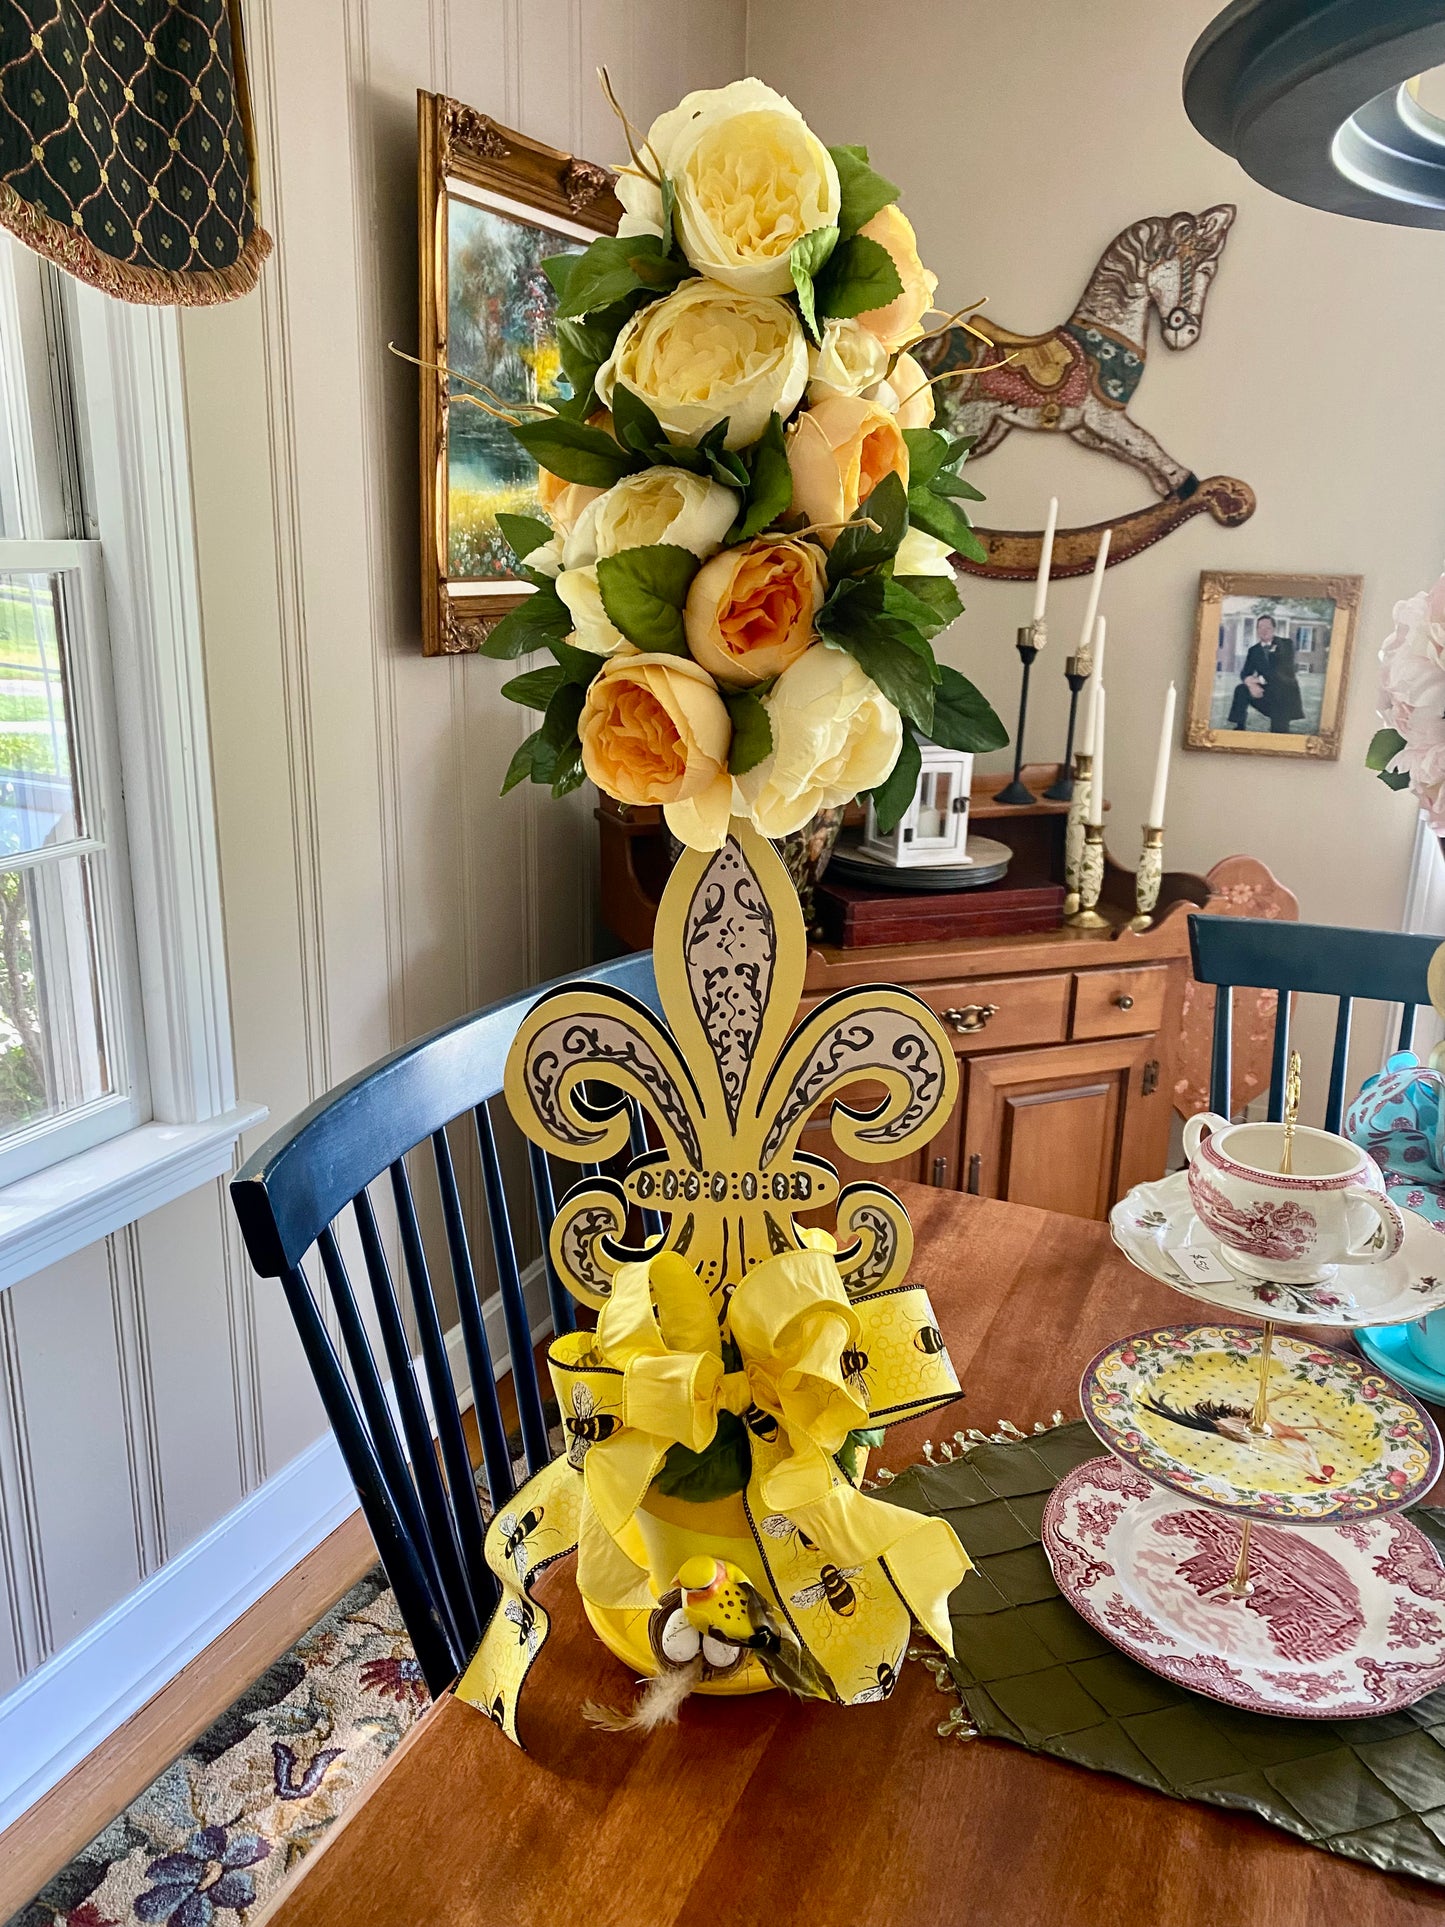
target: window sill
<point>71,1204</point>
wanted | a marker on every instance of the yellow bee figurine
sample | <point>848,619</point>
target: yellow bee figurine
<point>716,1599</point>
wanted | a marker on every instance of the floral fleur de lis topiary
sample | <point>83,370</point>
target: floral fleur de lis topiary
<point>729,1085</point>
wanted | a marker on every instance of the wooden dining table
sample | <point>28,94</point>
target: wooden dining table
<point>768,1811</point>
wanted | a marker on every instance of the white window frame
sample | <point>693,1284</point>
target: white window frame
<point>185,1117</point>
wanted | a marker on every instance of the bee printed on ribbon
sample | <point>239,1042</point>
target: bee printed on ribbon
<point>833,1588</point>
<point>853,1364</point>
<point>778,1525</point>
<point>761,1424</point>
<point>513,1532</point>
<point>886,1681</point>
<point>522,1614</point>
<point>929,1340</point>
<point>586,1426</point>
<point>497,1712</point>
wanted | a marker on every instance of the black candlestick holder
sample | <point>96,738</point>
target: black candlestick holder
<point>1031,638</point>
<point>1077,670</point>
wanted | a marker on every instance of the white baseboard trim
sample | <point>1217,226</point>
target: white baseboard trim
<point>78,1698</point>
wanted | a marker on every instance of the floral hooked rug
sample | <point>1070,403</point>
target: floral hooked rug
<point>209,1843</point>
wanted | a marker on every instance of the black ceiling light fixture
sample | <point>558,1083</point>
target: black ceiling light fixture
<point>1320,101</point>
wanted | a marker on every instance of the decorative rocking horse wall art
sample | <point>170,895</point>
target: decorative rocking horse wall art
<point>1080,380</point>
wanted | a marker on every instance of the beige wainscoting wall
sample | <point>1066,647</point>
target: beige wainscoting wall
<point>1026,136</point>
<point>375,885</point>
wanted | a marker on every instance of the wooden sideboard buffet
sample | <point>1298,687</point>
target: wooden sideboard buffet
<point>1063,1036</point>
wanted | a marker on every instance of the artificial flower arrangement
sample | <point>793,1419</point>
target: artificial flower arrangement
<point>750,518</point>
<point>1409,752</point>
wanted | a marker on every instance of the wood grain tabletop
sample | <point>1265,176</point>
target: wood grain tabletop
<point>768,1812</point>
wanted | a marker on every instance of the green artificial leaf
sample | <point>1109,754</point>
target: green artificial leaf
<point>927,452</point>
<point>861,549</point>
<point>770,483</point>
<point>899,600</point>
<point>1394,779</point>
<point>937,593</point>
<point>523,533</point>
<point>643,591</point>
<point>893,795</point>
<point>577,453</point>
<point>863,191</point>
<point>963,718</point>
<point>850,1453</point>
<point>806,258</point>
<point>558,270</point>
<point>615,266</point>
<point>860,276</point>
<point>726,464</point>
<point>570,776</point>
<point>633,422</point>
<point>580,665</point>
<point>945,482</point>
<point>541,620</point>
<point>536,688</point>
<point>559,725</point>
<point>1385,746</point>
<point>519,770</point>
<point>939,517</point>
<point>885,646</point>
<point>671,240</point>
<point>722,1468</point>
<point>584,343</point>
<point>752,732</point>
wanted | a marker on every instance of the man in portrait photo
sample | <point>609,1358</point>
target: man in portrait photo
<point>1267,682</point>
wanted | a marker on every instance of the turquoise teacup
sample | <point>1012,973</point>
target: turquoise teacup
<point>1426,1339</point>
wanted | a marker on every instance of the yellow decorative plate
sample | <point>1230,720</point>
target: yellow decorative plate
<point>1345,1442</point>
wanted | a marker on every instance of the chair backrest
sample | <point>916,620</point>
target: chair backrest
<point>309,1187</point>
<point>1385,966</point>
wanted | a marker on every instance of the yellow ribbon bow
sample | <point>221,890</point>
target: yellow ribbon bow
<point>804,1366</point>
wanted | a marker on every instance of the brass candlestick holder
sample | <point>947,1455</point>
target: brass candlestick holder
<point>1091,880</point>
<point>1148,877</point>
<point>1074,829</point>
<point>1031,638</point>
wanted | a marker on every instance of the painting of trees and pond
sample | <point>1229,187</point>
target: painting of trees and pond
<point>500,330</point>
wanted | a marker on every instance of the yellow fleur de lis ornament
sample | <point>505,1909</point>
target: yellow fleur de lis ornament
<point>729,1085</point>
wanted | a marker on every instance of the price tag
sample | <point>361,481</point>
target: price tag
<point>1200,1267</point>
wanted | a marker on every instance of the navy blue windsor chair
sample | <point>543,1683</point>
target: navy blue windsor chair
<point>1257,953</point>
<point>420,1499</point>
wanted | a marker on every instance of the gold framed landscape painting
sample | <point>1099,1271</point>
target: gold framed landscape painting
<point>493,206</point>
<point>1271,660</point>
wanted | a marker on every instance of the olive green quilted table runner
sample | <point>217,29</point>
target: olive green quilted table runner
<point>1028,1669</point>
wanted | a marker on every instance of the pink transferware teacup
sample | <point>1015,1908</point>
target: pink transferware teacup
<point>1330,1209</point>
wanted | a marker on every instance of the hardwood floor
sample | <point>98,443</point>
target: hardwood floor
<point>40,1842</point>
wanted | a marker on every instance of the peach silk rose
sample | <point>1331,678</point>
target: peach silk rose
<point>654,730</point>
<point>750,610</point>
<point>562,502</point>
<point>839,450</point>
<point>901,321</point>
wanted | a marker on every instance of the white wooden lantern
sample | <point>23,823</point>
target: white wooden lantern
<point>934,828</point>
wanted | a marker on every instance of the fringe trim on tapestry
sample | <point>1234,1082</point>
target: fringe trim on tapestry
<point>68,248</point>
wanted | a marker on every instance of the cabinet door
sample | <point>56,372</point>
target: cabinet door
<point>1069,1129</point>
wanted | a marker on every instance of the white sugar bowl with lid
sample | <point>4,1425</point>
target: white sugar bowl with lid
<point>1292,1227</point>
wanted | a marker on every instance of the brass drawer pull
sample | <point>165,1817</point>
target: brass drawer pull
<point>1124,1001</point>
<point>970,1017</point>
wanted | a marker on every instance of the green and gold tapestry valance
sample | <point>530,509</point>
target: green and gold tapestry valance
<point>126,151</point>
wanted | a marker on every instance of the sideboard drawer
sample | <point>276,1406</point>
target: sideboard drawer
<point>998,1013</point>
<point>1119,1003</point>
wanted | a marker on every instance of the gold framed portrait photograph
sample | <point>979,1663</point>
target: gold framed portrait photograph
<point>1271,661</point>
<point>493,206</point>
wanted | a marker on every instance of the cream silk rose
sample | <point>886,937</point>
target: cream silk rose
<point>901,321</point>
<point>751,179</point>
<point>838,452</point>
<point>750,611</point>
<point>834,734</point>
<point>920,554</point>
<point>655,505</point>
<point>703,355</point>
<point>592,627</point>
<point>850,361</point>
<point>654,730</point>
<point>906,394</point>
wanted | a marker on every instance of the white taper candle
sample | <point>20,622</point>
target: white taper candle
<point>1096,776</point>
<point>1093,685</point>
<point>1046,559</point>
<point>1096,583</point>
<point>1155,819</point>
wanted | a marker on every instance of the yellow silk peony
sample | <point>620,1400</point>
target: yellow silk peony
<point>592,627</point>
<point>654,730</point>
<point>655,505</point>
<point>562,502</point>
<point>906,394</point>
<point>920,554</point>
<point>703,355</point>
<point>751,179</point>
<point>750,611</point>
<point>838,452</point>
<point>901,321</point>
<point>850,361</point>
<point>834,734</point>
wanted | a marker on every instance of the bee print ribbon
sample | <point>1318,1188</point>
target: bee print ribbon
<point>803,1366</point>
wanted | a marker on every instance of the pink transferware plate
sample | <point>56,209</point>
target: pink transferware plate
<point>1344,1621</point>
